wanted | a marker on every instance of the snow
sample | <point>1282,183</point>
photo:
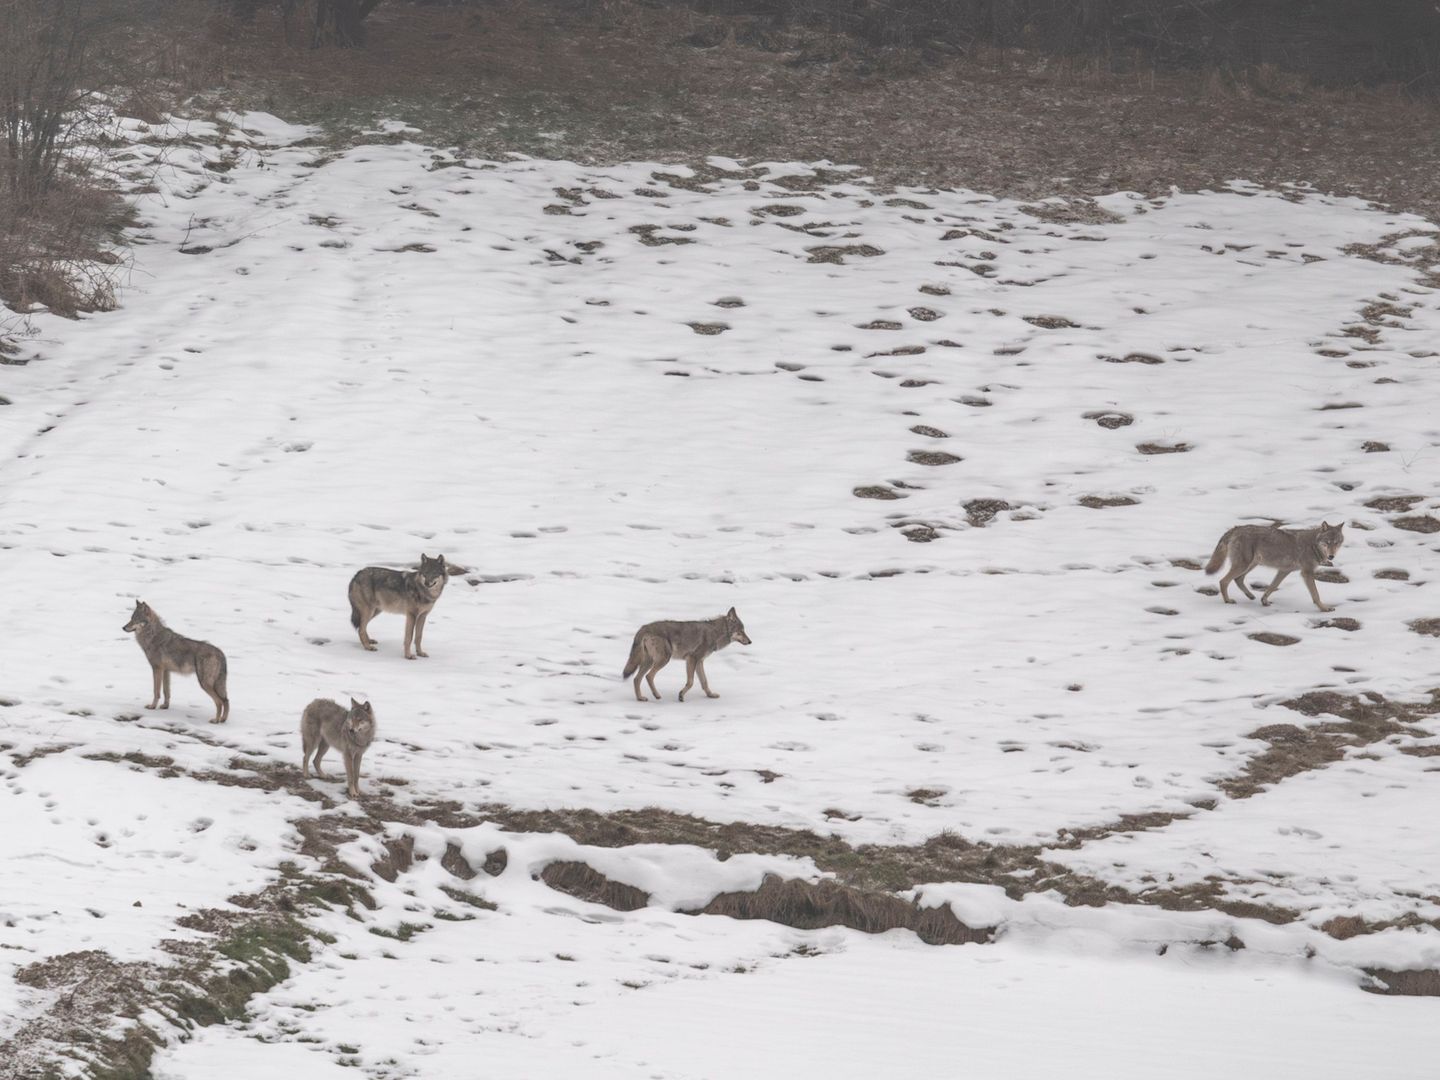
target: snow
<point>325,361</point>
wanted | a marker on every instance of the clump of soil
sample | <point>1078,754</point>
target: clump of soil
<point>1421,523</point>
<point>1100,502</point>
<point>1372,447</point>
<point>810,906</point>
<point>875,491</point>
<point>1341,623</point>
<point>932,457</point>
<point>980,511</point>
<point>1427,627</point>
<point>1051,322</point>
<point>579,880</point>
<point>1111,420</point>
<point>1268,638</point>
<point>1163,448</point>
<point>930,432</point>
<point>1134,358</point>
<point>1394,504</point>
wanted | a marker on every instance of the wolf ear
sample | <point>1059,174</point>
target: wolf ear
<point>354,704</point>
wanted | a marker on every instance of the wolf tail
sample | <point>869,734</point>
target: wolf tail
<point>1213,566</point>
<point>354,607</point>
<point>633,663</point>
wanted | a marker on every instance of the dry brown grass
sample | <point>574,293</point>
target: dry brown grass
<point>624,80</point>
<point>810,906</point>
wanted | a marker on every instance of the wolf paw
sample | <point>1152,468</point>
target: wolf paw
<point>709,694</point>
<point>152,705</point>
<point>371,647</point>
<point>1325,607</point>
<point>420,653</point>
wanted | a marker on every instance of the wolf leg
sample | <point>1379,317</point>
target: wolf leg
<point>704,682</point>
<point>689,676</point>
<point>165,678</point>
<point>365,639</point>
<point>1279,577</point>
<point>155,698</point>
<point>1309,576</point>
<point>409,634</point>
<point>420,631</point>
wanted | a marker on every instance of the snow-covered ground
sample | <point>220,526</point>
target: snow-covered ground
<point>620,394</point>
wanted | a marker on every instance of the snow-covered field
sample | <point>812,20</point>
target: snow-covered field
<point>620,394</point>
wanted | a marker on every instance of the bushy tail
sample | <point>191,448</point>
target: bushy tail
<point>633,664</point>
<point>1213,566</point>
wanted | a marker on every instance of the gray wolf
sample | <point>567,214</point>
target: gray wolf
<point>409,592</point>
<point>656,642</point>
<point>167,651</point>
<point>324,724</point>
<point>1286,550</point>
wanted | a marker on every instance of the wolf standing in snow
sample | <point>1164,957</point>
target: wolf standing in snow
<point>411,593</point>
<point>167,651</point>
<point>1286,550</point>
<point>324,724</point>
<point>656,642</point>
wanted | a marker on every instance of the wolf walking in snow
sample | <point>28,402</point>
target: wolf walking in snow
<point>324,724</point>
<point>168,651</point>
<point>656,642</point>
<point>411,593</point>
<point>1286,550</point>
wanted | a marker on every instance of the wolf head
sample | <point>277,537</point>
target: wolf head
<point>143,616</point>
<point>361,721</point>
<point>1329,540</point>
<point>736,627</point>
<point>432,571</point>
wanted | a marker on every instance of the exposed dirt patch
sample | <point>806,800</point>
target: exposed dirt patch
<point>1359,721</point>
<point>835,253</point>
<point>1134,358</point>
<point>1372,447</point>
<point>980,511</point>
<point>579,880</point>
<point>930,432</point>
<point>1100,502</point>
<point>1394,504</point>
<point>1421,523</point>
<point>1163,448</point>
<point>1340,623</point>
<point>1393,575</point>
<point>1425,983</point>
<point>875,491</point>
<point>1427,627</point>
<point>1267,638</point>
<point>1111,420</point>
<point>810,906</point>
<point>932,457</point>
<point>1051,322</point>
